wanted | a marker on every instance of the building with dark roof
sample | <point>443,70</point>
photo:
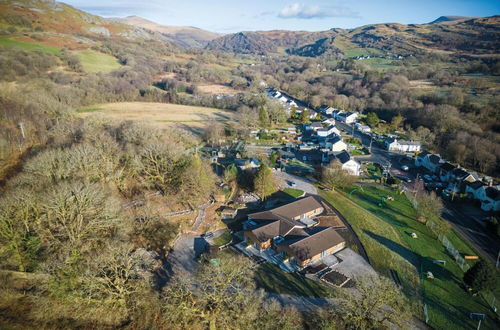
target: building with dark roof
<point>287,229</point>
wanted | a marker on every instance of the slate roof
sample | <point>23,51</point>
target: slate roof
<point>318,240</point>
<point>493,193</point>
<point>343,157</point>
<point>447,167</point>
<point>476,185</point>
<point>435,159</point>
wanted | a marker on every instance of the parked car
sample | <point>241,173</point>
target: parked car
<point>403,178</point>
<point>292,184</point>
<point>405,168</point>
<point>207,235</point>
<point>427,177</point>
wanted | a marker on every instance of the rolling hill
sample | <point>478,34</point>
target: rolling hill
<point>58,25</point>
<point>461,36</point>
<point>184,36</point>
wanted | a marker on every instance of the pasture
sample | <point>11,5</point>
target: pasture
<point>163,115</point>
<point>93,61</point>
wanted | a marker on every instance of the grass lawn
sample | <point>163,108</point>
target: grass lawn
<point>270,278</point>
<point>93,61</point>
<point>293,192</point>
<point>223,239</point>
<point>7,42</point>
<point>389,228</point>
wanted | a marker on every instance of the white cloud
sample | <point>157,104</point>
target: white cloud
<point>297,10</point>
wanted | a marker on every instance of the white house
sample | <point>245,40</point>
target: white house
<point>363,128</point>
<point>338,145</point>
<point>312,114</point>
<point>429,161</point>
<point>315,126</point>
<point>327,110</point>
<point>402,145</point>
<point>347,117</point>
<point>348,164</point>
<point>324,132</point>
<point>329,121</point>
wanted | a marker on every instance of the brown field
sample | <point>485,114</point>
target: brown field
<point>163,115</point>
<point>216,89</point>
<point>421,84</point>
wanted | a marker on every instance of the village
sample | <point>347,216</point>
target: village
<point>296,228</point>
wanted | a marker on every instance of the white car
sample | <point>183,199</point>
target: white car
<point>405,168</point>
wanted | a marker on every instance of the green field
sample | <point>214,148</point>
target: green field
<point>385,229</point>
<point>7,42</point>
<point>270,278</point>
<point>98,62</point>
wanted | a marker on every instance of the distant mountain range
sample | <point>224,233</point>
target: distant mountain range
<point>59,25</point>
<point>184,36</point>
<point>447,34</point>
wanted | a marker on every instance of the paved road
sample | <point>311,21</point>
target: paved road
<point>471,224</point>
<point>303,184</point>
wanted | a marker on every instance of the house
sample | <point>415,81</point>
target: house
<point>327,110</point>
<point>444,171</point>
<point>392,144</point>
<point>475,190</point>
<point>490,198</point>
<point>363,128</point>
<point>324,132</point>
<point>347,117</point>
<point>348,163</point>
<point>246,163</point>
<point>315,126</point>
<point>228,213</point>
<point>429,161</point>
<point>313,114</point>
<point>460,175</point>
<point>337,144</point>
<point>287,231</point>
<point>329,121</point>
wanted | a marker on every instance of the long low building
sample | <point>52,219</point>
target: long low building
<point>290,231</point>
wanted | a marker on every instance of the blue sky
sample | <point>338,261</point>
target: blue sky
<point>226,16</point>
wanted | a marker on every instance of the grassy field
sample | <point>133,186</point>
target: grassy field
<point>93,61</point>
<point>385,232</point>
<point>8,42</point>
<point>272,279</point>
<point>163,115</point>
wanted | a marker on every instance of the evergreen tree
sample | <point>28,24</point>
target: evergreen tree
<point>372,119</point>
<point>480,277</point>
<point>263,116</point>
<point>264,183</point>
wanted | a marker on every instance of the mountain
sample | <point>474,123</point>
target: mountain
<point>59,25</point>
<point>464,36</point>
<point>184,36</point>
<point>263,42</point>
<point>442,19</point>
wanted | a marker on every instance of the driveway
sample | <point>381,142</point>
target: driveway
<point>283,179</point>
<point>352,264</point>
<point>185,253</point>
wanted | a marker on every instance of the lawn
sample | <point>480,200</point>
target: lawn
<point>8,42</point>
<point>163,115</point>
<point>296,193</point>
<point>93,61</point>
<point>270,278</point>
<point>447,302</point>
<point>223,239</point>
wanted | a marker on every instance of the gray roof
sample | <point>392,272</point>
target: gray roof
<point>343,157</point>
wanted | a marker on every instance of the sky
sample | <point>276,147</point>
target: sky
<point>228,16</point>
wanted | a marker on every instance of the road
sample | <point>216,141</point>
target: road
<point>470,222</point>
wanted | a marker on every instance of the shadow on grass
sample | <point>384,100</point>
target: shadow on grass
<point>404,252</point>
<point>272,279</point>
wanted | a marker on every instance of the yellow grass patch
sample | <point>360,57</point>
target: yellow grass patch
<point>163,115</point>
<point>216,89</point>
